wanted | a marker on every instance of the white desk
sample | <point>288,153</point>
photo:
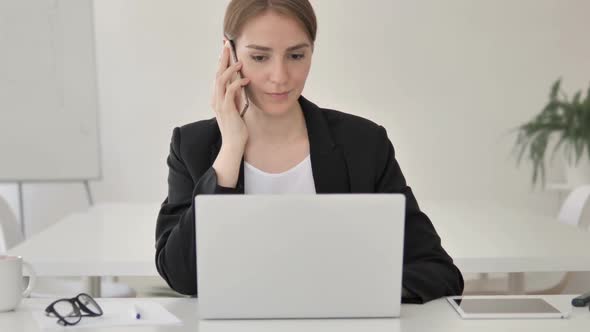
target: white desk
<point>433,316</point>
<point>483,237</point>
<point>119,239</point>
<point>108,240</point>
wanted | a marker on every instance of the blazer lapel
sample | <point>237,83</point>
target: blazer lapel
<point>330,172</point>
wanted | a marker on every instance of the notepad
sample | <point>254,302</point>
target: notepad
<point>116,313</point>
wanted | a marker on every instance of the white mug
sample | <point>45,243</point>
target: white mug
<point>11,281</point>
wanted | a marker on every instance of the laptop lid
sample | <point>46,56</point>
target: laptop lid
<point>299,256</point>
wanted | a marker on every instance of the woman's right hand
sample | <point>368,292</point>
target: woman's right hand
<point>226,97</point>
<point>234,133</point>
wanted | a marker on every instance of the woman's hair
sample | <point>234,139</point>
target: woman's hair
<point>238,12</point>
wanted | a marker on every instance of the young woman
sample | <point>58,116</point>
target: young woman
<point>284,144</point>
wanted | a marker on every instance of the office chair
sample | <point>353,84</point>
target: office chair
<point>10,236</point>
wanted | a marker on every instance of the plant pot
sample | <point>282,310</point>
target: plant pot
<point>577,175</point>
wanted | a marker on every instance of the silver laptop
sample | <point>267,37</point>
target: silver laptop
<point>299,256</point>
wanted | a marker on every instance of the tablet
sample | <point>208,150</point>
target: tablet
<point>502,307</point>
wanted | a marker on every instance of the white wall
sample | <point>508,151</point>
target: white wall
<point>468,71</point>
<point>448,79</point>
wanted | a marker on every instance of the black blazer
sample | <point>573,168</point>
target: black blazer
<point>348,154</point>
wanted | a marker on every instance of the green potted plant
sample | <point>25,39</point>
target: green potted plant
<point>569,120</point>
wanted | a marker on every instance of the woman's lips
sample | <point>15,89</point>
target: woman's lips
<point>278,96</point>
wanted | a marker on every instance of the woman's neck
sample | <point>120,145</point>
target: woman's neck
<point>275,129</point>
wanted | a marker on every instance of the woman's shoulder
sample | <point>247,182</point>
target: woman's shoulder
<point>336,120</point>
<point>198,131</point>
<point>363,141</point>
<point>196,137</point>
<point>345,126</point>
<point>340,118</point>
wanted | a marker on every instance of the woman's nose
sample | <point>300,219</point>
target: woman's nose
<point>279,73</point>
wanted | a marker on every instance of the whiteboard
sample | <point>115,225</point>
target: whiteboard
<point>48,91</point>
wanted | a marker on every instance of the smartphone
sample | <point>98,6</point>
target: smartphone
<point>245,102</point>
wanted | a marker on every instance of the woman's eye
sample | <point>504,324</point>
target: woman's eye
<point>297,56</point>
<point>258,58</point>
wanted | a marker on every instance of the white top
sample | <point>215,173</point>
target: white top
<point>435,315</point>
<point>297,180</point>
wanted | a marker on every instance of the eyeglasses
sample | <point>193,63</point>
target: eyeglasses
<point>71,311</point>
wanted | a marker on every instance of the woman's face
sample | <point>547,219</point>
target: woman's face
<point>276,55</point>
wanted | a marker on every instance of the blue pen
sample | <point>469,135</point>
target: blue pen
<point>136,312</point>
